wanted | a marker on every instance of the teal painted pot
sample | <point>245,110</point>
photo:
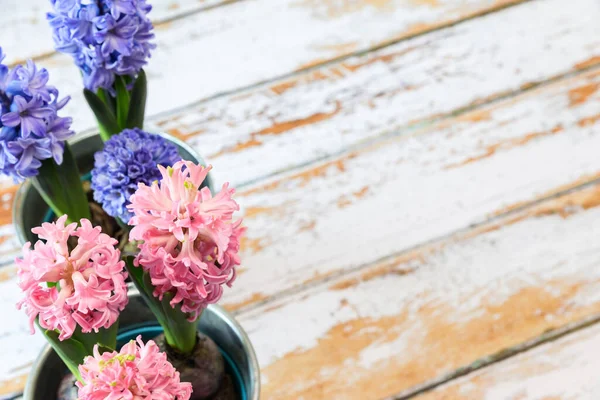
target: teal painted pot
<point>48,370</point>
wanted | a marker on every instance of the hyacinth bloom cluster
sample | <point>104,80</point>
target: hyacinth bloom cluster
<point>106,38</point>
<point>30,128</point>
<point>138,371</point>
<point>128,159</point>
<point>190,241</point>
<point>84,287</point>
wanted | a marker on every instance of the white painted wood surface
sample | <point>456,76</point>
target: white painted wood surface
<point>295,121</point>
<point>527,146</point>
<point>24,31</point>
<point>375,261</point>
<point>386,91</point>
<point>234,46</point>
<point>416,317</point>
<point>562,370</point>
<point>522,149</point>
<point>521,131</point>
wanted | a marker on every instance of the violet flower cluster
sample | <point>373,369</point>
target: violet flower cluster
<point>106,38</point>
<point>30,128</point>
<point>128,159</point>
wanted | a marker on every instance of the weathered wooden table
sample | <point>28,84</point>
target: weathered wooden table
<point>419,178</point>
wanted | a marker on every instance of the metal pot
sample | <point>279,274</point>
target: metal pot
<point>29,211</point>
<point>29,208</point>
<point>218,324</point>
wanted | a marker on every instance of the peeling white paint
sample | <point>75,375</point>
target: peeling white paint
<point>25,32</point>
<point>566,369</point>
<point>389,89</point>
<point>413,193</point>
<point>459,279</point>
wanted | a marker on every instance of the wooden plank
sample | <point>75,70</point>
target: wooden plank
<point>307,109</point>
<point>336,107</point>
<point>18,347</point>
<point>561,370</point>
<point>423,185</point>
<point>480,162</point>
<point>25,32</point>
<point>227,48</point>
<point>419,316</point>
<point>318,223</point>
<point>298,120</point>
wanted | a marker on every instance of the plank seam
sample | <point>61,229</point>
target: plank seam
<point>157,23</point>
<point>411,128</point>
<point>337,60</point>
<point>305,287</point>
<point>484,362</point>
<point>424,124</point>
<point>385,43</point>
<point>198,10</point>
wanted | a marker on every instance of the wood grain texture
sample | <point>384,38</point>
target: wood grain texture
<point>355,209</point>
<point>312,115</point>
<point>411,319</point>
<point>25,32</point>
<point>380,329</point>
<point>480,163</point>
<point>562,370</point>
<point>226,48</point>
<point>326,111</point>
<point>18,347</point>
<point>364,205</point>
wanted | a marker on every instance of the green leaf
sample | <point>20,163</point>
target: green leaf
<point>122,102</point>
<point>106,339</point>
<point>107,99</point>
<point>60,186</point>
<point>137,104</point>
<point>71,351</point>
<point>106,118</point>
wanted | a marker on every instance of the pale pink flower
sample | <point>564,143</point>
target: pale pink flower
<point>138,371</point>
<point>190,241</point>
<point>84,287</point>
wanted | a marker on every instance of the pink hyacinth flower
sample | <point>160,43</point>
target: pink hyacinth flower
<point>190,241</point>
<point>138,371</point>
<point>85,287</point>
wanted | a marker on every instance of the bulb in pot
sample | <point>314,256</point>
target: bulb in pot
<point>227,390</point>
<point>204,368</point>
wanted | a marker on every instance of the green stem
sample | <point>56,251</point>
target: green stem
<point>108,101</point>
<point>122,101</point>
<point>180,333</point>
<point>102,107</point>
<point>104,134</point>
<point>137,102</point>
